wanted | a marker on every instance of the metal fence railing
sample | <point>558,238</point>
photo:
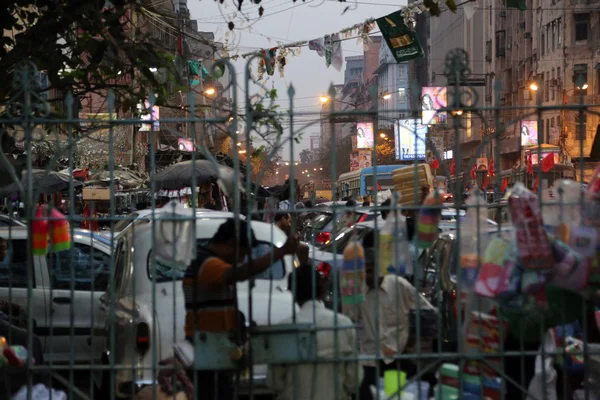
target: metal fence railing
<point>121,278</point>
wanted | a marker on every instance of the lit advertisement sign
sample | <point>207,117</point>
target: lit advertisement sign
<point>433,99</point>
<point>529,133</point>
<point>410,137</point>
<point>364,135</point>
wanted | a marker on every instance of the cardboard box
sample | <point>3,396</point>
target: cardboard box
<point>100,194</point>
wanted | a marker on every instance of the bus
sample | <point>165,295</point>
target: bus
<point>359,183</point>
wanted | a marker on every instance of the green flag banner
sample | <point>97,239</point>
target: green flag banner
<point>520,4</point>
<point>401,40</point>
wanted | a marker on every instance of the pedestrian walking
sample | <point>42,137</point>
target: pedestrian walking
<point>391,298</point>
<point>317,381</point>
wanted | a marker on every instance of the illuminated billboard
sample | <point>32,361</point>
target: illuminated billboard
<point>529,133</point>
<point>410,135</point>
<point>433,99</point>
<point>364,135</point>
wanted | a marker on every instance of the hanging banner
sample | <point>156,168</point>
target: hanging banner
<point>402,41</point>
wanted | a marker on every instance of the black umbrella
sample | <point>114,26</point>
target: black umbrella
<point>180,175</point>
<point>45,182</point>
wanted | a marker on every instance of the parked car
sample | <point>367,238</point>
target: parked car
<point>66,291</point>
<point>6,220</point>
<point>321,228</point>
<point>149,305</point>
<point>147,215</point>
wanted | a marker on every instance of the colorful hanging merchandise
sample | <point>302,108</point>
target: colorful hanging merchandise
<point>401,40</point>
<point>268,62</point>
<point>333,51</point>
<point>60,239</point>
<point>41,230</point>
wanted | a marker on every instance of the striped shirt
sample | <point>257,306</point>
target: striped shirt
<point>209,301</point>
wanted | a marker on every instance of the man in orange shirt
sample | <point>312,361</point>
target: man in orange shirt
<point>209,292</point>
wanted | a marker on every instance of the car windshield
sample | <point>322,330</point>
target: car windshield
<point>320,221</point>
<point>168,273</point>
<point>124,223</point>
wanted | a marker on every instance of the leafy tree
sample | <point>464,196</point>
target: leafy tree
<point>342,158</point>
<point>305,156</point>
<point>83,47</point>
<point>386,154</point>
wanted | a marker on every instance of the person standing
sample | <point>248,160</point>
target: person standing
<point>283,220</point>
<point>209,293</point>
<point>317,381</point>
<point>392,297</point>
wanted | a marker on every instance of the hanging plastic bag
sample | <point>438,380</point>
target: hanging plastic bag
<point>40,232</point>
<point>394,256</point>
<point>175,239</point>
<point>543,383</point>
<point>532,242</point>
<point>474,239</point>
<point>353,274</point>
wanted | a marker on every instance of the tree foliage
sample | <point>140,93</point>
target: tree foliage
<point>83,47</point>
<point>341,161</point>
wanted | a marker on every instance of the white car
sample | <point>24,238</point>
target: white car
<point>148,314</point>
<point>66,290</point>
<point>147,215</point>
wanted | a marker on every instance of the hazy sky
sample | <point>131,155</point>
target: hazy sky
<point>286,21</point>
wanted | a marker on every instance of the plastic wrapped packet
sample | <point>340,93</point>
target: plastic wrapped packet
<point>474,239</point>
<point>353,274</point>
<point>496,278</point>
<point>429,219</point>
<point>532,241</point>
<point>394,256</point>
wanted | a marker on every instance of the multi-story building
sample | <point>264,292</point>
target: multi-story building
<point>548,47</point>
<point>392,82</point>
<point>452,31</point>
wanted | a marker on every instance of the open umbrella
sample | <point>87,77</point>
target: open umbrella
<point>46,182</point>
<point>180,175</point>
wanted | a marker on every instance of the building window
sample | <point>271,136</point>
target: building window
<point>402,95</point>
<point>500,43</point>
<point>553,88</point>
<point>488,51</point>
<point>582,25</point>
<point>580,126</point>
<point>546,134</point>
<point>558,30</point>
<point>580,72</point>
<point>547,87</point>
<point>543,45</point>
<point>553,36</point>
<point>558,121</point>
<point>552,122</point>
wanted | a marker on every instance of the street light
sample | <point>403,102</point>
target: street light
<point>387,96</point>
<point>533,86</point>
<point>584,87</point>
<point>324,99</point>
<point>382,135</point>
<point>209,91</point>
